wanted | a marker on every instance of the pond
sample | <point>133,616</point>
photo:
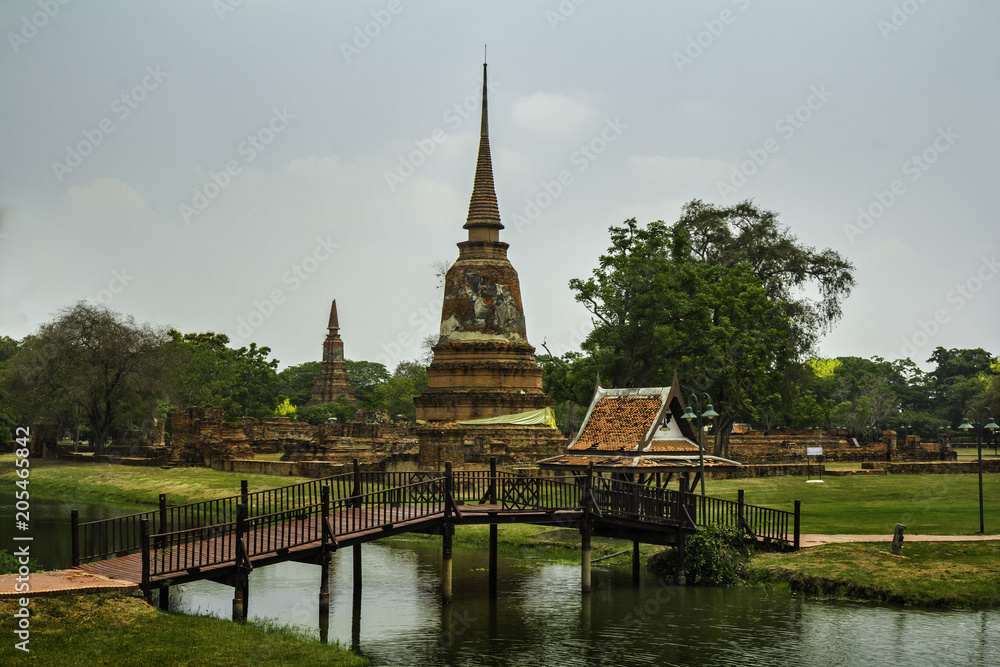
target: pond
<point>540,617</point>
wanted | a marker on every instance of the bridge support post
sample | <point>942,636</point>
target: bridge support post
<point>357,572</point>
<point>493,529</point>
<point>144,539</point>
<point>241,590</point>
<point>798,512</point>
<point>635,563</point>
<point>164,599</point>
<point>241,581</point>
<point>447,530</point>
<point>74,517</point>
<point>324,557</point>
<point>493,560</point>
<point>585,528</point>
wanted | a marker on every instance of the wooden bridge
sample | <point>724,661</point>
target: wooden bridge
<point>223,540</point>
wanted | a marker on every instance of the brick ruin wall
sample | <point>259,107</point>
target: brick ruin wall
<point>469,446</point>
<point>201,437</point>
<point>789,446</point>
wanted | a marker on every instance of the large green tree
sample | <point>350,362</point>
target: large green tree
<point>718,297</point>
<point>90,359</point>
<point>789,271</point>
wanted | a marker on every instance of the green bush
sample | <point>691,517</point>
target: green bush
<point>713,556</point>
<point>9,563</point>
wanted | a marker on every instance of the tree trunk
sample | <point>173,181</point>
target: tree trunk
<point>723,427</point>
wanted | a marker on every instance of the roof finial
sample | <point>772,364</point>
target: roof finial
<point>484,130</point>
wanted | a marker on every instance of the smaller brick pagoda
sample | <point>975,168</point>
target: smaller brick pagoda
<point>332,381</point>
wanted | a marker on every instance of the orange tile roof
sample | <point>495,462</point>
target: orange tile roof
<point>618,423</point>
<point>671,446</point>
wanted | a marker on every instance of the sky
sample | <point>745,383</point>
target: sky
<point>233,166</point>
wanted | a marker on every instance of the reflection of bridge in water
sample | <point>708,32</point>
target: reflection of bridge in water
<point>223,540</point>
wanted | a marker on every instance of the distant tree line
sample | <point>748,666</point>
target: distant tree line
<point>96,372</point>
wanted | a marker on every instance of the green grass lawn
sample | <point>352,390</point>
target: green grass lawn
<point>117,629</point>
<point>930,574</point>
<point>874,504</point>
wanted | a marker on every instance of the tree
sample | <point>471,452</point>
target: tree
<point>396,394</point>
<point>744,233</point>
<point>243,381</point>
<point>296,382</point>
<point>717,297</point>
<point>8,414</point>
<point>102,362</point>
<point>958,378</point>
<point>366,376</point>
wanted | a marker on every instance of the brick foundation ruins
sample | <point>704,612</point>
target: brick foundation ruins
<point>201,437</point>
<point>468,446</point>
<point>789,446</point>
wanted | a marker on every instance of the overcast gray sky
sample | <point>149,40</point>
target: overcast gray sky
<point>233,166</point>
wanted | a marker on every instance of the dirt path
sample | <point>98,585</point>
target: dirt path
<point>64,582</point>
<point>815,540</point>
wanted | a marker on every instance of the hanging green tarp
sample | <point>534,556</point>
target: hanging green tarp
<point>543,416</point>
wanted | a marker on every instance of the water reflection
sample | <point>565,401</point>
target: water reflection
<point>541,618</point>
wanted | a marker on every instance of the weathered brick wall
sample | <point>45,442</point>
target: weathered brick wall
<point>473,445</point>
<point>790,447</point>
<point>200,436</point>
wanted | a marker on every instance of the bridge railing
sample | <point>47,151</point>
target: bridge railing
<point>118,536</point>
<point>392,505</point>
<point>189,549</point>
<point>764,523</point>
<point>534,493</point>
<point>637,502</point>
<point>267,533</point>
<point>107,538</point>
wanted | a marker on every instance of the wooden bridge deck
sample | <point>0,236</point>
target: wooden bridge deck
<point>366,525</point>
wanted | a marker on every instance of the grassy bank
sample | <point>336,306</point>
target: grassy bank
<point>102,482</point>
<point>928,574</point>
<point>116,629</point>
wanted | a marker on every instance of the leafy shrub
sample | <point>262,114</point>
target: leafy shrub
<point>9,563</point>
<point>713,556</point>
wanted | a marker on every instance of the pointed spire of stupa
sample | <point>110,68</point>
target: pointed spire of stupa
<point>333,317</point>
<point>483,222</point>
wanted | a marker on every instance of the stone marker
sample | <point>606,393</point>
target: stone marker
<point>897,539</point>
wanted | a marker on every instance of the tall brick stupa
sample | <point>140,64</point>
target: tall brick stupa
<point>483,364</point>
<point>332,381</point>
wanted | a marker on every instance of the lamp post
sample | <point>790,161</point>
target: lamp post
<point>906,433</point>
<point>707,414</point>
<point>978,425</point>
